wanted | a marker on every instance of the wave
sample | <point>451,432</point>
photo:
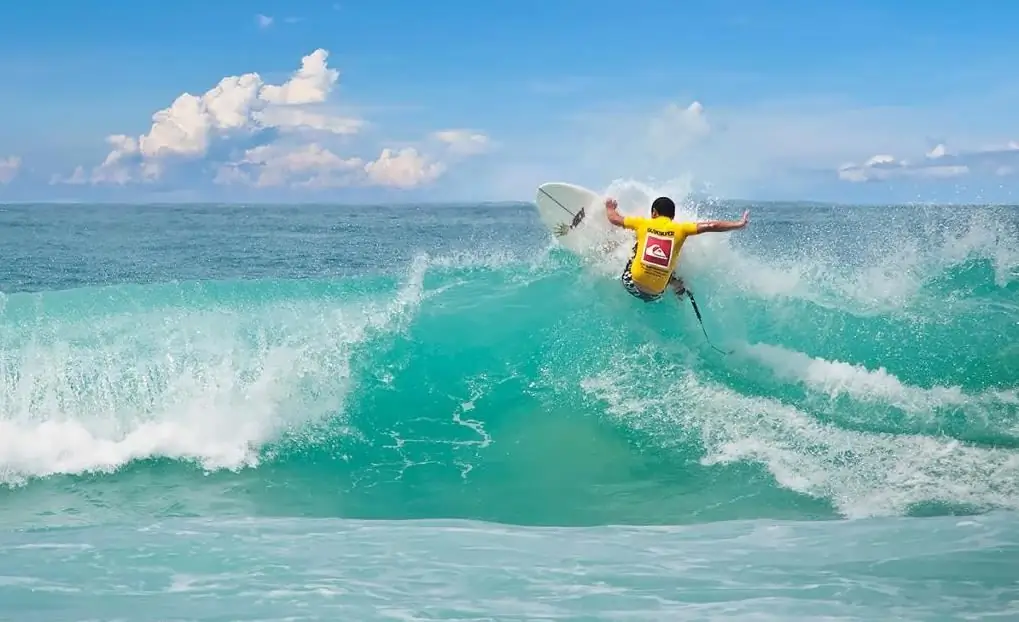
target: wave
<point>526,387</point>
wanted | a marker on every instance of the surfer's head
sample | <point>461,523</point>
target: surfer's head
<point>663,206</point>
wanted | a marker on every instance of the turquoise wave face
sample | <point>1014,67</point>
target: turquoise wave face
<point>872,374</point>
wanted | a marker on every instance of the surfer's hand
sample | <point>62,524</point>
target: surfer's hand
<point>614,217</point>
<point>746,218</point>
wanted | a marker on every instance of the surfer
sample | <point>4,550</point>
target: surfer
<point>651,271</point>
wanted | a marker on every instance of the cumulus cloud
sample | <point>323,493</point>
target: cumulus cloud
<point>310,85</point>
<point>9,168</point>
<point>123,165</point>
<point>404,168</point>
<point>245,130</point>
<point>238,105</point>
<point>938,163</point>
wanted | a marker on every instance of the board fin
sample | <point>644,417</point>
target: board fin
<point>564,228</point>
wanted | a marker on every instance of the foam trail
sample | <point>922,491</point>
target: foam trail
<point>888,466</point>
<point>861,474</point>
<point>838,378</point>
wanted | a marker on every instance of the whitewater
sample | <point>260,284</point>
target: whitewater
<point>433,412</point>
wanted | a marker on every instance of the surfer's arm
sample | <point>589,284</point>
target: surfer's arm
<point>717,226</point>
<point>617,219</point>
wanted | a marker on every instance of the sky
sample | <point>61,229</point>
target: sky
<point>355,101</point>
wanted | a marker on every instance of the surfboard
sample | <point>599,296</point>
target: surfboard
<point>565,208</point>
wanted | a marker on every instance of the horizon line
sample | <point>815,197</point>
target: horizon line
<point>485,203</point>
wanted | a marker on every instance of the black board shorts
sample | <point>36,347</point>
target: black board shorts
<point>627,279</point>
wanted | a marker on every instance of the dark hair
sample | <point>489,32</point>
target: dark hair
<point>665,207</point>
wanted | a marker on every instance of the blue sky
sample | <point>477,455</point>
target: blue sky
<point>455,100</point>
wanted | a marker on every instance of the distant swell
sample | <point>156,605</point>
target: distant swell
<point>881,381</point>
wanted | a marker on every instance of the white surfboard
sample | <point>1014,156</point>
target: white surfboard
<point>566,210</point>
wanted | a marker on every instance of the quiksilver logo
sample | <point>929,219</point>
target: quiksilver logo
<point>656,251</point>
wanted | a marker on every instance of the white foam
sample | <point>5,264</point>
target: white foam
<point>861,474</point>
<point>606,248</point>
<point>835,378</point>
<point>895,260</point>
<point>986,237</point>
<point>209,385</point>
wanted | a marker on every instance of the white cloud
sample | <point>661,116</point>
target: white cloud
<point>246,131</point>
<point>118,168</point>
<point>314,166</point>
<point>9,168</point>
<point>277,165</point>
<point>790,147</point>
<point>938,163</point>
<point>293,119</point>
<point>404,168</point>
<point>310,85</point>
<point>238,105</point>
<point>264,21</point>
<point>463,142</point>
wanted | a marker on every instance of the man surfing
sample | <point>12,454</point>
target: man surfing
<point>650,271</point>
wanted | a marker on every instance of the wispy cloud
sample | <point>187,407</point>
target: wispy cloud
<point>263,21</point>
<point>463,142</point>
<point>938,163</point>
<point>798,146</point>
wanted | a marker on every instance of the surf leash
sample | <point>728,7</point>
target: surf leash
<point>577,217</point>
<point>700,320</point>
<point>565,209</point>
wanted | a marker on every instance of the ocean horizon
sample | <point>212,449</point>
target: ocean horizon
<point>693,199</point>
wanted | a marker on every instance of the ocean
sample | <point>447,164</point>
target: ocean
<point>432,412</point>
